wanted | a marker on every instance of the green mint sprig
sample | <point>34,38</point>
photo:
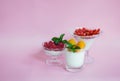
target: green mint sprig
<point>71,47</point>
<point>58,39</point>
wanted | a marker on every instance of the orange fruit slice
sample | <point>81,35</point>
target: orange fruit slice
<point>72,41</point>
<point>81,44</point>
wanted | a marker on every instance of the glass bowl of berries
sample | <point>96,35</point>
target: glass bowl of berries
<point>89,36</point>
<point>86,33</point>
<point>54,48</point>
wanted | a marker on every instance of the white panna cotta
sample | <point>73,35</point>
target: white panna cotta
<point>54,53</point>
<point>76,59</point>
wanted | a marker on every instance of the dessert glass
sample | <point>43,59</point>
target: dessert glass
<point>74,60</point>
<point>89,41</point>
<point>53,56</point>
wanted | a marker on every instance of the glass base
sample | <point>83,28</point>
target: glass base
<point>73,69</point>
<point>53,62</point>
<point>88,58</point>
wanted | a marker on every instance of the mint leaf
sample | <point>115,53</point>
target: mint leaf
<point>67,43</point>
<point>73,48</point>
<point>56,40</point>
<point>64,41</point>
<point>61,37</point>
<point>77,47</point>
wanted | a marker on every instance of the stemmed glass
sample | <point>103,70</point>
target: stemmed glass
<point>54,48</point>
<point>53,56</point>
<point>89,41</point>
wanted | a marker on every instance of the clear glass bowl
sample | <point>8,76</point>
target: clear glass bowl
<point>54,55</point>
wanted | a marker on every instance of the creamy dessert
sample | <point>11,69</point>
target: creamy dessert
<point>75,54</point>
<point>53,53</point>
<point>75,60</point>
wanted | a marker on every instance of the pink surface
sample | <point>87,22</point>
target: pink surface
<point>25,24</point>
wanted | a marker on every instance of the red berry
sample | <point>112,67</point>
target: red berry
<point>52,46</point>
<point>86,32</point>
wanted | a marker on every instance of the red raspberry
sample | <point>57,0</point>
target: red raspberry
<point>86,32</point>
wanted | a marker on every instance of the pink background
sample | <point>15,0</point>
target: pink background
<point>25,24</point>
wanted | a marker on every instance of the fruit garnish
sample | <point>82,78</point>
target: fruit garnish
<point>52,46</point>
<point>81,44</point>
<point>58,39</point>
<point>72,41</point>
<point>73,48</point>
<point>86,32</point>
<point>56,44</point>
